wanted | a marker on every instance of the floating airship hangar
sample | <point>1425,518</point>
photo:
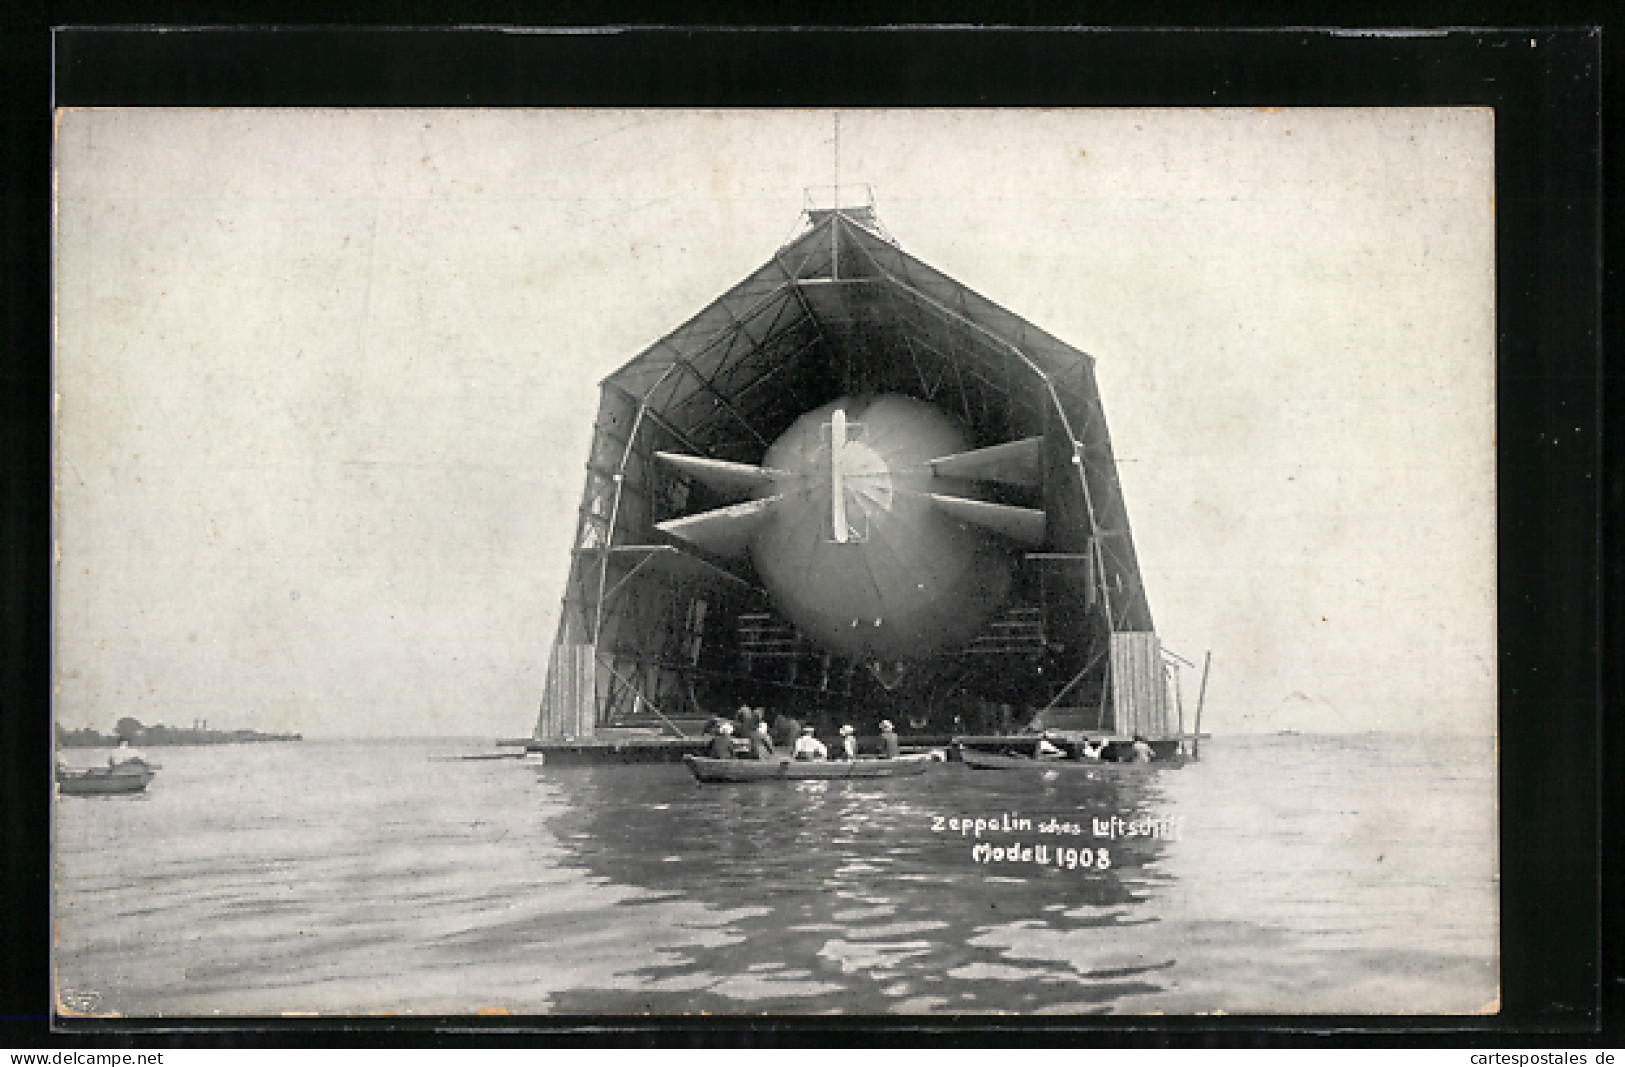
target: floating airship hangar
<point>851,488</point>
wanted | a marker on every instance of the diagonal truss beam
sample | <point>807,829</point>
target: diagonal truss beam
<point>1066,422</point>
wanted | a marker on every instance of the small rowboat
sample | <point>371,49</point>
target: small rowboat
<point>994,761</point>
<point>707,769</point>
<point>130,776</point>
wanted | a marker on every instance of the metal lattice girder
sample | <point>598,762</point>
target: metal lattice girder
<point>1051,354</point>
<point>699,338</point>
<point>679,566</point>
<point>793,336</point>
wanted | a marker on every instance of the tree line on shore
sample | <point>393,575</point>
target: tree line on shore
<point>136,733</point>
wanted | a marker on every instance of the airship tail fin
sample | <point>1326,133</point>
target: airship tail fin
<point>729,479</point>
<point>724,531</point>
<point>1016,463</point>
<point>1025,525</point>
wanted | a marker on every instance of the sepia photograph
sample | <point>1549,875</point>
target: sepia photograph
<point>606,562</point>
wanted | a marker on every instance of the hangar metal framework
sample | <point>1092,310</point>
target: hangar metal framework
<point>655,628</point>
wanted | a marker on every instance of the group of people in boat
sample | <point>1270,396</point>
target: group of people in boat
<point>748,737</point>
<point>1138,751</point>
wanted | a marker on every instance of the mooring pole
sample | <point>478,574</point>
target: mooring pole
<point>834,218</point>
<point>1196,742</point>
<point>1179,695</point>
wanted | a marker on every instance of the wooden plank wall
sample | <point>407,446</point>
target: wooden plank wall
<point>1139,685</point>
<point>569,699</point>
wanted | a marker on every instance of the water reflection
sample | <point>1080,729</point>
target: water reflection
<point>879,895</point>
<point>359,877</point>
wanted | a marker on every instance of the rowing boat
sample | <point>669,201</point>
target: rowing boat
<point>130,776</point>
<point>994,761</point>
<point>707,769</point>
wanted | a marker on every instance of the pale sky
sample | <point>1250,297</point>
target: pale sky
<point>326,382</point>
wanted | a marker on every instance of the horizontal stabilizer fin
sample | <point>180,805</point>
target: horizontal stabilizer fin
<point>729,479</point>
<point>724,531</point>
<point>1025,525</point>
<point>1016,463</point>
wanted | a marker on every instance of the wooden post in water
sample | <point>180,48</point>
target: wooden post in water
<point>1196,742</point>
<point>1179,700</point>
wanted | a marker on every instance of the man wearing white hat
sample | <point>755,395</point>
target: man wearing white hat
<point>849,743</point>
<point>722,742</point>
<point>761,742</point>
<point>809,747</point>
<point>889,746</point>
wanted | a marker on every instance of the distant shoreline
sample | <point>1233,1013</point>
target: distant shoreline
<point>158,738</point>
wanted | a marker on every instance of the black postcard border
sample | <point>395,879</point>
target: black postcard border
<point>1555,481</point>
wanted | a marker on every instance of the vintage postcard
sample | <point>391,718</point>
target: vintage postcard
<point>865,562</point>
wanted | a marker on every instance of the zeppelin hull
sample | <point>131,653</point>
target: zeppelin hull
<point>903,580</point>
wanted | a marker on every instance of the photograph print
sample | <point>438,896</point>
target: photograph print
<point>862,562</point>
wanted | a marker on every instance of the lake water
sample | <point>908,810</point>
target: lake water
<point>1297,874</point>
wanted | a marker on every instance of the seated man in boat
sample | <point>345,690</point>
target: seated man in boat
<point>1048,749</point>
<point>1089,750</point>
<point>786,728</point>
<point>722,742</point>
<point>809,747</point>
<point>1141,751</point>
<point>761,743</point>
<point>849,743</point>
<point>889,745</point>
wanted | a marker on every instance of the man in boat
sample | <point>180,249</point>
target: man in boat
<point>1141,751</point>
<point>722,742</point>
<point>786,728</point>
<point>849,743</point>
<point>1048,749</point>
<point>809,747</point>
<point>1089,750</point>
<point>889,746</point>
<point>761,742</point>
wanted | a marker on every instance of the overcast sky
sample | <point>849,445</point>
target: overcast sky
<point>326,382</point>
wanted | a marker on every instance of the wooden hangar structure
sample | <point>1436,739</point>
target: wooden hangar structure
<point>655,630</point>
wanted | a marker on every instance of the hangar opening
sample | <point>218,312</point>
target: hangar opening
<point>850,489</point>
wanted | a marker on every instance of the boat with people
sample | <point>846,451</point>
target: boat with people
<point>128,776</point>
<point>708,769</point>
<point>998,761</point>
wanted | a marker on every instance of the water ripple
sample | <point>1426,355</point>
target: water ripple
<point>336,877</point>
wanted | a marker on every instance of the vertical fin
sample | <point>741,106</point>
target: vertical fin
<point>837,490</point>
